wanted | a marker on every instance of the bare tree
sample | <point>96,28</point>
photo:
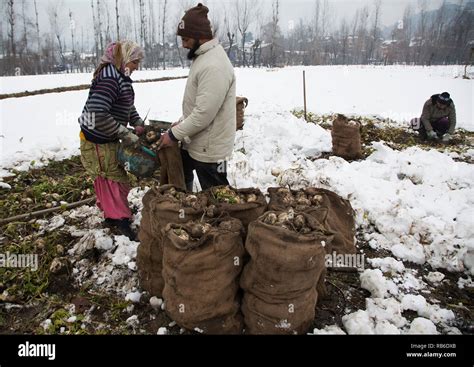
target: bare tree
<point>108,37</point>
<point>163,31</point>
<point>134,21</point>
<point>245,12</point>
<point>325,17</point>
<point>141,4</point>
<point>117,19</point>
<point>25,26</point>
<point>344,37</point>
<point>375,30</point>
<point>37,28</point>
<point>275,30</point>
<point>407,26</point>
<point>183,6</point>
<point>325,20</point>
<point>361,43</point>
<point>54,10</point>
<point>72,26</point>
<point>11,30</point>
<point>422,6</point>
<point>151,22</point>
<point>229,30</point>
<point>316,19</point>
<point>99,27</point>
<point>94,24</point>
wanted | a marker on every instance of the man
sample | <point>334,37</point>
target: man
<point>438,119</point>
<point>207,128</point>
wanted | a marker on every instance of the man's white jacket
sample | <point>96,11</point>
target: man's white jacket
<point>209,109</point>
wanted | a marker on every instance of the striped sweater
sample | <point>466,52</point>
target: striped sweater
<point>109,105</point>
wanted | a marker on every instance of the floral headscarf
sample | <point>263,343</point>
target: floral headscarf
<point>119,54</point>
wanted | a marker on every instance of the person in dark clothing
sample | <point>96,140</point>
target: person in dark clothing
<point>438,119</point>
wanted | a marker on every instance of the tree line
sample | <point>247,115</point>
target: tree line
<point>252,35</point>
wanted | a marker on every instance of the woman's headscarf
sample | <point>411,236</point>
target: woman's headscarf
<point>119,54</point>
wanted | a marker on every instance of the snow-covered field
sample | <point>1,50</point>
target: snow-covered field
<point>46,125</point>
<point>416,204</point>
<point>16,84</point>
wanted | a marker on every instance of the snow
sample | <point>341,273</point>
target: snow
<point>415,303</point>
<point>5,186</point>
<point>435,277</point>
<point>125,252</point>
<point>387,265</point>
<point>133,297</point>
<point>329,330</point>
<point>156,302</point>
<point>162,331</point>
<point>56,222</point>
<point>358,322</point>
<point>133,321</point>
<point>46,324</point>
<point>72,319</point>
<point>386,310</point>
<point>374,281</point>
<point>463,283</point>
<point>435,313</point>
<point>421,325</point>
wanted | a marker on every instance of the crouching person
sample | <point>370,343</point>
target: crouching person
<point>438,119</point>
<point>108,110</point>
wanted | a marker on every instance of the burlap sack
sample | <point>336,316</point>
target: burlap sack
<point>158,211</point>
<point>340,220</point>
<point>346,140</point>
<point>149,274</point>
<point>335,212</point>
<point>202,277</point>
<point>242,103</point>
<point>171,167</point>
<point>165,210</point>
<point>280,281</point>
<point>245,212</point>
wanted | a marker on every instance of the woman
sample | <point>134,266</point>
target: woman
<point>107,112</point>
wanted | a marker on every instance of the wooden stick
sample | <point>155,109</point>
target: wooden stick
<point>304,93</point>
<point>23,217</point>
<point>78,87</point>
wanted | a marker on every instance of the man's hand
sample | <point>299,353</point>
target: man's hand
<point>432,135</point>
<point>166,141</point>
<point>447,138</point>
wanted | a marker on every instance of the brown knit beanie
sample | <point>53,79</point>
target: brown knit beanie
<point>195,23</point>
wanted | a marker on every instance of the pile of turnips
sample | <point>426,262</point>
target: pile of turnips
<point>229,196</point>
<point>187,200</point>
<point>289,220</point>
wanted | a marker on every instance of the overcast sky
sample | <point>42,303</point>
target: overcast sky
<point>291,10</point>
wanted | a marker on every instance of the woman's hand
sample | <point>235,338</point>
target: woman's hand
<point>139,130</point>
